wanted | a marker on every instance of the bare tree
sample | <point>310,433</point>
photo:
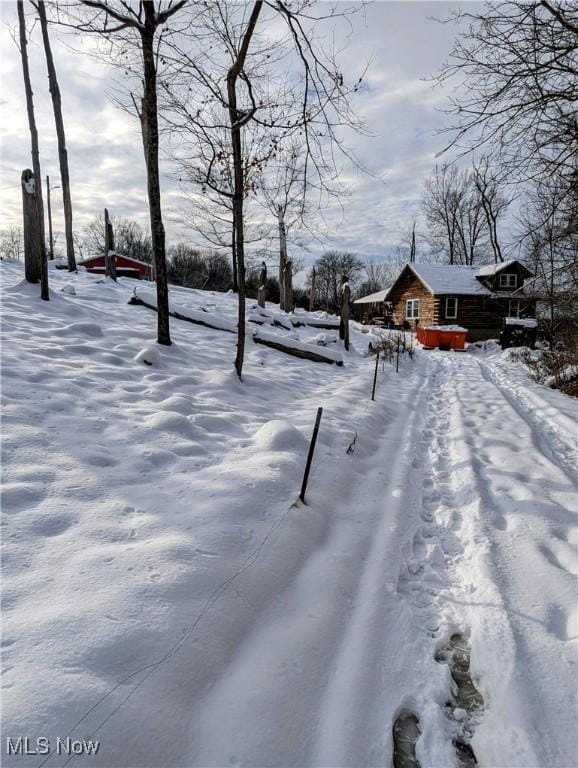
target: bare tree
<point>329,271</point>
<point>259,94</point>
<point>494,202</point>
<point>194,268</point>
<point>454,214</point>
<point>139,26</point>
<point>284,195</point>
<point>130,239</point>
<point>550,240</point>
<point>209,207</point>
<point>376,278</point>
<point>11,243</point>
<point>518,64</point>
<point>36,267</point>
<point>62,151</point>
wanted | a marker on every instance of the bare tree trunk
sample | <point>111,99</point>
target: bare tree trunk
<point>235,117</point>
<point>62,152</point>
<point>32,231</point>
<point>36,267</point>
<point>150,131</point>
<point>282,258</point>
<point>288,285</point>
<point>234,256</point>
<point>50,237</point>
<point>312,291</point>
<point>412,248</point>
<point>344,320</point>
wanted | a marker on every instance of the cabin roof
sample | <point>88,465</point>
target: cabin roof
<point>449,278</point>
<point>488,270</point>
<point>373,298</point>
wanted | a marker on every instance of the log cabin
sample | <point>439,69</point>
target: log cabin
<point>475,298</point>
<point>372,308</point>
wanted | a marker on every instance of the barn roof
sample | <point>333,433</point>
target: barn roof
<point>119,255</point>
<point>373,298</point>
<point>449,278</point>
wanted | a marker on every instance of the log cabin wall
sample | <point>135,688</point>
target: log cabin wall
<point>408,286</point>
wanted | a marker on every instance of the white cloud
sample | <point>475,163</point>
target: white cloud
<point>105,149</point>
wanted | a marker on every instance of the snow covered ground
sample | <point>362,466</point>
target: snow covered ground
<point>164,595</point>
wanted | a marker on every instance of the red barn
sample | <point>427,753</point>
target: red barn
<point>126,266</point>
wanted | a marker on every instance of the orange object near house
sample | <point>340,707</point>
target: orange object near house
<point>429,337</point>
<point>444,337</point>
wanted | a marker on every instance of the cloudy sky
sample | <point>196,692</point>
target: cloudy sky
<point>401,108</point>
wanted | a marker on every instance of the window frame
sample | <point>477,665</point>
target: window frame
<point>508,280</point>
<point>413,303</point>
<point>447,315</point>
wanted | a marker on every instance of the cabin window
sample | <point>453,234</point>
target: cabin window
<point>412,309</point>
<point>451,308</point>
<point>508,281</point>
<point>514,308</point>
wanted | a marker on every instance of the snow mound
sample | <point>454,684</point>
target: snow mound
<point>170,421</point>
<point>279,435</point>
<point>179,404</point>
<point>69,289</point>
<point>92,330</point>
<point>148,356</point>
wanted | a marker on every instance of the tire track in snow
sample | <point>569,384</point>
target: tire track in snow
<point>430,580</point>
<point>547,439</point>
<point>515,492</point>
<point>344,700</point>
<point>323,645</point>
<point>436,545</point>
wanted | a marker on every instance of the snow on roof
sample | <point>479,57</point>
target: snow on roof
<point>526,322</point>
<point>119,255</point>
<point>449,278</point>
<point>492,269</point>
<point>373,298</point>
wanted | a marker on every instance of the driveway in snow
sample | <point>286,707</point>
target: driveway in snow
<point>186,614</point>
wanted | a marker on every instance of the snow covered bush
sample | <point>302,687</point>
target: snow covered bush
<point>556,368</point>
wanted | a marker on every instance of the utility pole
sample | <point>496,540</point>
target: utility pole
<point>50,238</point>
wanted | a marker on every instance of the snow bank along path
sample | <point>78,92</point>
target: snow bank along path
<point>163,596</point>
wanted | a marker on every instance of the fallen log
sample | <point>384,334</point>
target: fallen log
<point>297,349</point>
<point>136,300</point>
<point>325,325</point>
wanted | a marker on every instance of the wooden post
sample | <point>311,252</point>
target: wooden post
<point>375,376</point>
<point>35,268</point>
<point>344,321</point>
<point>50,237</point>
<point>262,290</point>
<point>282,257</point>
<point>397,358</point>
<point>312,291</point>
<point>310,454</point>
<point>109,254</point>
<point>288,286</point>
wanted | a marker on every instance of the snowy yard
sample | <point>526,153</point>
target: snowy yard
<point>163,595</point>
